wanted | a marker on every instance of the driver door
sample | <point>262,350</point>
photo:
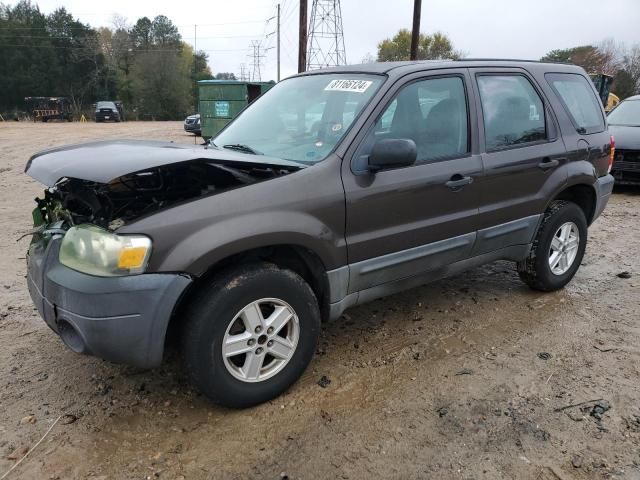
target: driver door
<point>407,221</point>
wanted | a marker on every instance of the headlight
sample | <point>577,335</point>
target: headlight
<point>90,249</point>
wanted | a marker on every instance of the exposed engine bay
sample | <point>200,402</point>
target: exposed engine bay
<point>126,198</point>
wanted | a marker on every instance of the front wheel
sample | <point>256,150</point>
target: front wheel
<point>558,248</point>
<point>249,334</point>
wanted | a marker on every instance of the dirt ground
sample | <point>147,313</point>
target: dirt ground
<point>473,377</point>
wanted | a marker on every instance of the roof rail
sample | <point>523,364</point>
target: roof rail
<point>497,60</point>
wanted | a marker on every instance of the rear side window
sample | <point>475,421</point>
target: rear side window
<point>579,100</point>
<point>512,110</point>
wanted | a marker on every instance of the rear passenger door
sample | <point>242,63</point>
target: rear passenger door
<point>405,221</point>
<point>522,155</point>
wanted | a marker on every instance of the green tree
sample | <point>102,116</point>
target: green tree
<point>25,54</point>
<point>586,56</point>
<point>225,76</point>
<point>623,85</point>
<point>164,33</point>
<point>430,47</point>
<point>199,71</point>
<point>141,37</point>
<point>161,84</point>
<point>80,64</point>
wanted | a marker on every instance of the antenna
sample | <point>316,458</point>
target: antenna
<point>326,36</point>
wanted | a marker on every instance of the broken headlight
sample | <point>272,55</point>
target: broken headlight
<point>90,249</point>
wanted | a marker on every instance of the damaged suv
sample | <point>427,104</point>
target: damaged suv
<point>334,188</point>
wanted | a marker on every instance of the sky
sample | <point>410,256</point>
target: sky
<point>524,29</point>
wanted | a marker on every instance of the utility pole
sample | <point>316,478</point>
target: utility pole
<point>195,66</point>
<point>302,37</point>
<point>415,33</point>
<point>278,42</point>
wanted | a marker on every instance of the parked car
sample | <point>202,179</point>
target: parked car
<point>107,112</point>
<point>624,124</point>
<point>410,172</point>
<point>192,124</point>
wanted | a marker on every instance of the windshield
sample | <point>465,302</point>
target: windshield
<point>301,119</point>
<point>106,105</point>
<point>627,113</point>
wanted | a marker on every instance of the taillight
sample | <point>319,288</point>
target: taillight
<point>612,153</point>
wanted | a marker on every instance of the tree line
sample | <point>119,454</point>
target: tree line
<point>147,66</point>
<point>608,57</point>
<point>151,69</point>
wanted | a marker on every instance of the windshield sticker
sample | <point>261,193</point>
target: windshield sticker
<point>356,86</point>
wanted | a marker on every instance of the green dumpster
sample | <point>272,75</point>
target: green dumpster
<point>222,100</point>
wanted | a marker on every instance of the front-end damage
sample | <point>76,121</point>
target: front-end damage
<point>73,201</point>
<point>89,281</point>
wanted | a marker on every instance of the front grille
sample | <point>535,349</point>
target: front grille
<point>627,166</point>
<point>628,155</point>
<point>627,160</point>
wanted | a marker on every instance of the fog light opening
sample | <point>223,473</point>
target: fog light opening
<point>71,337</point>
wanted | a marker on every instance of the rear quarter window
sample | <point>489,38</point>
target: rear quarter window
<point>579,100</point>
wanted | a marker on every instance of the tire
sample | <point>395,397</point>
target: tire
<point>214,315</point>
<point>536,270</point>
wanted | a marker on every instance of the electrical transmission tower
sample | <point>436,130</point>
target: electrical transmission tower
<point>257,57</point>
<point>244,76</point>
<point>326,37</point>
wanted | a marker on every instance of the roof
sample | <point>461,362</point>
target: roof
<point>634,97</point>
<point>407,66</point>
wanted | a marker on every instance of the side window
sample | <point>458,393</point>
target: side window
<point>579,100</point>
<point>432,113</point>
<point>512,110</point>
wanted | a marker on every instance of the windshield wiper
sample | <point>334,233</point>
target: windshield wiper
<point>242,148</point>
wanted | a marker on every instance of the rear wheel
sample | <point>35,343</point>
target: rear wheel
<point>250,333</point>
<point>558,248</point>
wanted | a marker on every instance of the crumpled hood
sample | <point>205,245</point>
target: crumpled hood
<point>627,138</point>
<point>106,160</point>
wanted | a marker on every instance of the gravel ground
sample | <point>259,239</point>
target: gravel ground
<point>473,377</point>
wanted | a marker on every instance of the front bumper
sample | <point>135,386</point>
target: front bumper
<point>192,127</point>
<point>604,187</point>
<point>107,117</point>
<point>121,319</point>
<point>626,173</point>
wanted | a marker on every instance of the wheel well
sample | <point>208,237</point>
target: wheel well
<point>300,260</point>
<point>582,195</point>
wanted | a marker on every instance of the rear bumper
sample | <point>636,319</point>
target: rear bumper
<point>604,187</point>
<point>121,319</point>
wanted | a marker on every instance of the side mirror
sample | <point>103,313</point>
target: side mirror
<point>392,153</point>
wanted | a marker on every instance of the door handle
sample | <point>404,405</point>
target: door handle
<point>458,181</point>
<point>547,163</point>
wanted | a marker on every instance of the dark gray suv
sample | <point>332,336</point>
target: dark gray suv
<point>334,188</point>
